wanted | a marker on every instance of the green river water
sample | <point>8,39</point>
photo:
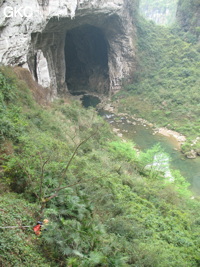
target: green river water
<point>144,138</point>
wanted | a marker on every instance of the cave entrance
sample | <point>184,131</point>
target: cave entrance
<point>86,59</point>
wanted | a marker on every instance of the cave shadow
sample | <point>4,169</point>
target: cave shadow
<point>86,60</point>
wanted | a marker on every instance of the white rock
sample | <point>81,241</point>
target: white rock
<point>42,70</point>
<point>29,28</point>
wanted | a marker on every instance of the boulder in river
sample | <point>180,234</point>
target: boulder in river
<point>191,154</point>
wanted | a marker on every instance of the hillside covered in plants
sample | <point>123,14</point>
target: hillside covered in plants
<point>105,206</point>
<point>188,17</point>
<point>167,81</point>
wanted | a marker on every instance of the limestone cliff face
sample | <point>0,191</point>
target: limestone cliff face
<point>162,12</point>
<point>76,45</point>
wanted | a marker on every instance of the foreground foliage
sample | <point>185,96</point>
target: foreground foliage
<point>18,246</point>
<point>106,204</point>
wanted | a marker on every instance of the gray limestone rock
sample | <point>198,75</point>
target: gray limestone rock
<point>70,45</point>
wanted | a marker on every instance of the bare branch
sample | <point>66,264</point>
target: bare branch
<point>72,137</point>
<point>42,173</point>
<point>75,151</point>
<point>59,189</point>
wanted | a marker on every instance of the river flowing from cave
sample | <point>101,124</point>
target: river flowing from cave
<point>144,138</point>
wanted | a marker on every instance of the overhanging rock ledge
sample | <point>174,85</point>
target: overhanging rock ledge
<point>70,45</point>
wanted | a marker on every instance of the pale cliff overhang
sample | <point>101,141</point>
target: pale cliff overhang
<point>88,46</point>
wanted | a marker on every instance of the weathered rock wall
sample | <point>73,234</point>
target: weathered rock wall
<point>33,35</point>
<point>162,12</point>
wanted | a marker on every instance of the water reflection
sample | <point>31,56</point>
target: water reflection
<point>144,138</point>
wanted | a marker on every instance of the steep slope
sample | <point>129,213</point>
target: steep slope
<point>167,81</point>
<point>105,206</point>
<point>188,17</point>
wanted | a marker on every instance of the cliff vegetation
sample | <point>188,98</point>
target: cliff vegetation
<point>188,18</point>
<point>165,89</point>
<point>105,206</point>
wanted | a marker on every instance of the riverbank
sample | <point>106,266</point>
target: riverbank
<point>145,136</point>
<point>179,139</point>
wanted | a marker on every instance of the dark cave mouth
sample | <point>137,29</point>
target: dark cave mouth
<point>88,100</point>
<point>86,60</point>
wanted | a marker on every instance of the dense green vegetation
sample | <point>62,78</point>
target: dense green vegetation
<point>106,203</point>
<point>18,247</point>
<point>188,17</point>
<point>165,89</point>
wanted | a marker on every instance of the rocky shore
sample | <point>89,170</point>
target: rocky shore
<point>178,137</point>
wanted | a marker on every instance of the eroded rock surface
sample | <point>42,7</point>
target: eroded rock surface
<point>76,45</point>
